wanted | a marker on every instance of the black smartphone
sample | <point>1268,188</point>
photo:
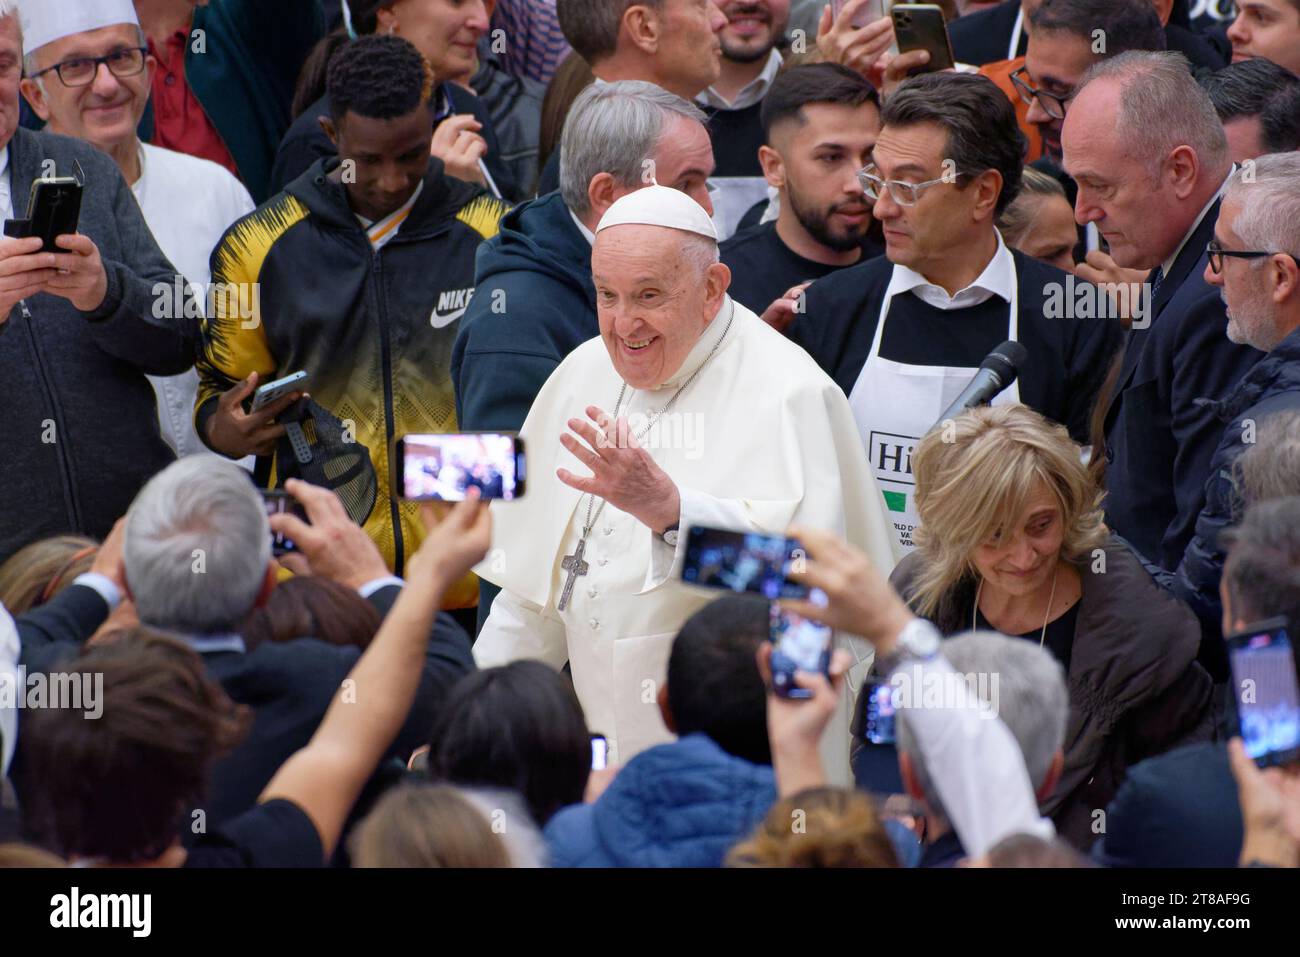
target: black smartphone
<point>599,752</point>
<point>921,26</point>
<point>877,712</point>
<point>1266,687</point>
<point>742,561</point>
<point>53,209</point>
<point>443,467</point>
<point>280,502</point>
<point>798,644</point>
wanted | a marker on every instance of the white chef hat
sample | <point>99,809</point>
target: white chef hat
<point>44,21</point>
<point>657,205</point>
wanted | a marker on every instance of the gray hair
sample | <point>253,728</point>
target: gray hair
<point>592,26</point>
<point>197,547</point>
<point>1030,698</point>
<point>1162,107</point>
<point>614,128</point>
<point>1270,467</point>
<point>1267,192</point>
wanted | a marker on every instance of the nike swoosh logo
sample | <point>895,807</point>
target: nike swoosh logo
<point>438,319</point>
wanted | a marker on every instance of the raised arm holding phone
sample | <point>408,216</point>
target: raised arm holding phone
<point>974,761</point>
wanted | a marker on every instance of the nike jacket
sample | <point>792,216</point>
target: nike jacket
<point>304,290</point>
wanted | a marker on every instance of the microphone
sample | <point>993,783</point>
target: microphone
<point>998,370</point>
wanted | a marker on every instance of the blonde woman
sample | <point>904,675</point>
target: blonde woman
<point>1012,540</point>
<point>1040,221</point>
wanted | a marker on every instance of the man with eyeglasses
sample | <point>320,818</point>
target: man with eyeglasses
<point>903,334</point>
<point>79,330</point>
<point>1063,44</point>
<point>1252,260</point>
<point>93,84</point>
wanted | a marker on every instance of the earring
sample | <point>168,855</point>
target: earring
<point>392,28</point>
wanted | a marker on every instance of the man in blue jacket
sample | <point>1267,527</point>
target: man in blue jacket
<point>1253,261</point>
<point>686,803</point>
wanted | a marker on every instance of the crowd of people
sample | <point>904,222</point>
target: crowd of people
<point>726,265</point>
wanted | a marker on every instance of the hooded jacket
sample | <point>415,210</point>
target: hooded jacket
<point>535,303</point>
<point>374,330</point>
<point>1272,386</point>
<point>683,804</point>
<point>81,431</point>
<point>1135,688</point>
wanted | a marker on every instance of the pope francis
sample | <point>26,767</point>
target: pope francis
<point>687,410</point>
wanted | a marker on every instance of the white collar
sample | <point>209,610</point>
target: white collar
<point>4,160</point>
<point>751,92</point>
<point>587,234</point>
<point>1168,264</point>
<point>997,279</point>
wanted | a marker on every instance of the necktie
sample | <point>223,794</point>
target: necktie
<point>1157,279</point>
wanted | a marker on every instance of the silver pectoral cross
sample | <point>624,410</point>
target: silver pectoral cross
<point>575,566</point>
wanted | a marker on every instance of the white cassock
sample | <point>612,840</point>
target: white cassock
<point>760,439</point>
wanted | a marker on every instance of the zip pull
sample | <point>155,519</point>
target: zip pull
<point>22,304</point>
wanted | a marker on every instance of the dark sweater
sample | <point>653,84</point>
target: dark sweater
<point>1067,360</point>
<point>81,431</point>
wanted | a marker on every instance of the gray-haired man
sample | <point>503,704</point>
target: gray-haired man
<point>1253,261</point>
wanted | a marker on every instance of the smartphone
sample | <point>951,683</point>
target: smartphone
<point>742,561</point>
<point>53,209</point>
<point>873,11</point>
<point>268,393</point>
<point>921,26</point>
<point>878,711</point>
<point>798,644</point>
<point>599,752</point>
<point>1267,691</point>
<point>442,467</point>
<point>280,502</point>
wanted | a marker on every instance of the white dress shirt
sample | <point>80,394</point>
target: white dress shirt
<point>997,279</point>
<point>750,93</point>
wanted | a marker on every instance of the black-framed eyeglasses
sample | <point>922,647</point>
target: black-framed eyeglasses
<point>81,71</point>
<point>1216,253</point>
<point>1053,104</point>
<point>900,191</point>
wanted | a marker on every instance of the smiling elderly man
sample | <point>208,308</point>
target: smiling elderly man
<point>78,332</point>
<point>720,422</point>
<point>88,72</point>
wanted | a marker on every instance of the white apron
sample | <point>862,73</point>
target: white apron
<point>895,404</point>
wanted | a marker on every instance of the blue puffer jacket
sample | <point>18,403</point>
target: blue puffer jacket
<point>1273,385</point>
<point>682,804</point>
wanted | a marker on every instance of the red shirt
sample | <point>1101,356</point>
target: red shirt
<point>179,122</point>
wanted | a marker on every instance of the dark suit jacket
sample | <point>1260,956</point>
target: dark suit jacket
<point>982,37</point>
<point>1159,436</point>
<point>1175,810</point>
<point>289,685</point>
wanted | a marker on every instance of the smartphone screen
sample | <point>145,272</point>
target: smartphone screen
<point>443,467</point>
<point>599,752</point>
<point>878,726</point>
<point>279,502</point>
<point>799,644</point>
<point>1267,692</point>
<point>742,562</point>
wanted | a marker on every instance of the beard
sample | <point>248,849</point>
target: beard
<point>1249,323</point>
<point>817,222</point>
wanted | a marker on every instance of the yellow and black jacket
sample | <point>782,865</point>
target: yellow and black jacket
<point>374,329</point>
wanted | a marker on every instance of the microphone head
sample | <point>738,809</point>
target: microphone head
<point>1005,360</point>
